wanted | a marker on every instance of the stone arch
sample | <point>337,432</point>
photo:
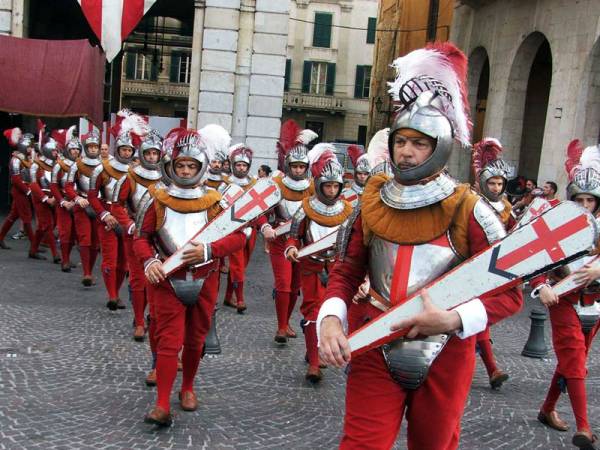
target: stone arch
<point>587,126</point>
<point>526,104</point>
<point>479,81</point>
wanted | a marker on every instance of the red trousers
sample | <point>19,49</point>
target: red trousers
<point>114,260</point>
<point>45,227</point>
<point>137,281</point>
<point>20,208</point>
<point>484,342</point>
<point>66,233</point>
<point>86,229</point>
<point>376,404</point>
<point>287,277</point>
<point>178,325</point>
<point>313,294</point>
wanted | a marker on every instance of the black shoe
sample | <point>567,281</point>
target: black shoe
<point>87,281</point>
<point>3,246</point>
<point>120,304</point>
<point>112,305</point>
<point>65,268</point>
<point>56,260</point>
<point>37,256</point>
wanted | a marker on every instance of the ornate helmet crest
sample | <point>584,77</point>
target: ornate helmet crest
<point>292,147</point>
<point>486,163</point>
<point>583,170</point>
<point>325,167</point>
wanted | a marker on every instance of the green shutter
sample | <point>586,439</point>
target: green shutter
<point>330,87</point>
<point>288,75</point>
<point>306,76</point>
<point>174,69</point>
<point>322,30</point>
<point>154,64</point>
<point>358,84</point>
<point>371,27</point>
<point>130,66</point>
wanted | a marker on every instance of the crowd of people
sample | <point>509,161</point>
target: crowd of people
<point>347,255</point>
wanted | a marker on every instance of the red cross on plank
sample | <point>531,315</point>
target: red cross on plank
<point>231,198</point>
<point>258,199</point>
<point>536,212</point>
<point>546,240</point>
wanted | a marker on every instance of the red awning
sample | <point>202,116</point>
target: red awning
<point>51,78</point>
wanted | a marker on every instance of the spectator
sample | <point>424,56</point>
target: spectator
<point>104,153</point>
<point>550,189</point>
<point>264,171</point>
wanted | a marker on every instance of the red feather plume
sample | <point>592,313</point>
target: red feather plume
<point>354,152</point>
<point>484,152</point>
<point>319,157</point>
<point>574,151</point>
<point>13,135</point>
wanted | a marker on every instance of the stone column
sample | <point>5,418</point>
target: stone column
<point>197,39</point>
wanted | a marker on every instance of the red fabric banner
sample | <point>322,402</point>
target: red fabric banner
<point>51,78</point>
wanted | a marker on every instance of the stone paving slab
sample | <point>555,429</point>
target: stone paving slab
<point>72,378</point>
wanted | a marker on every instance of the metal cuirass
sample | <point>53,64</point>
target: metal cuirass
<point>108,190</point>
<point>409,360</point>
<point>136,198</point>
<point>315,232</point>
<point>286,209</point>
<point>178,228</point>
<point>45,180</point>
<point>83,184</point>
<point>26,175</point>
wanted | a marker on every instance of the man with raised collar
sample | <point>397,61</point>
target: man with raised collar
<point>188,296</point>
<point>362,171</point>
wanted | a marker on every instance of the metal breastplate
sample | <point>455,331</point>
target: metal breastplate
<point>63,180</point>
<point>108,189</point>
<point>286,209</point>
<point>83,183</point>
<point>26,175</point>
<point>45,180</point>
<point>409,360</point>
<point>178,228</point>
<point>315,232</point>
<point>136,198</point>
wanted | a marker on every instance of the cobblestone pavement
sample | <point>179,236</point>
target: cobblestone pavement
<point>71,377</point>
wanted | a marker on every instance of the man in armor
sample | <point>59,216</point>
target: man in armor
<point>240,158</point>
<point>318,216</point>
<point>19,165</point>
<point>129,193</point>
<point>43,200</point>
<point>574,317</point>
<point>491,175</point>
<point>71,150</point>
<point>295,185</point>
<point>362,171</point>
<point>214,175</point>
<point>188,296</point>
<point>409,230</point>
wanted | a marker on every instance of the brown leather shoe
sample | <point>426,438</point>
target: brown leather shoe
<point>151,378</point>
<point>290,333</point>
<point>139,333</point>
<point>497,379</point>
<point>159,416</point>
<point>585,440</point>
<point>552,420</point>
<point>281,337</point>
<point>188,401</point>
<point>313,374</point>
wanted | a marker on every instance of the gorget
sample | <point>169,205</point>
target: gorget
<point>176,191</point>
<point>326,210</point>
<point>356,188</point>
<point>296,185</point>
<point>147,174</point>
<point>400,196</point>
<point>214,176</point>
<point>92,162</point>
<point>115,164</point>
<point>240,181</point>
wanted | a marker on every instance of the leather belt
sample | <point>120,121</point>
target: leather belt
<point>378,301</point>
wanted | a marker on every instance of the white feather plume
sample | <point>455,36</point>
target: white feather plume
<point>318,150</point>
<point>133,123</point>
<point>590,158</point>
<point>70,132</point>
<point>307,136</point>
<point>377,150</point>
<point>215,138</point>
<point>434,64</point>
<point>233,148</point>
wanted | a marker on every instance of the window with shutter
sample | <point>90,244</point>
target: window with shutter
<point>371,27</point>
<point>288,75</point>
<point>322,30</point>
<point>174,69</point>
<point>306,76</point>
<point>130,65</point>
<point>185,60</point>
<point>363,82</point>
<point>330,79</point>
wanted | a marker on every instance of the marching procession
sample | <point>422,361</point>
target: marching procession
<point>399,275</point>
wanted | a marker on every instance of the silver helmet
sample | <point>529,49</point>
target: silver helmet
<point>187,145</point>
<point>50,149</point>
<point>92,138</point>
<point>152,141</point>
<point>487,164</point>
<point>583,170</point>
<point>124,139</point>
<point>292,147</point>
<point>25,142</point>
<point>72,143</point>
<point>497,168</point>
<point>325,168</point>
<point>240,153</point>
<point>360,162</point>
<point>586,181</point>
<point>219,156</point>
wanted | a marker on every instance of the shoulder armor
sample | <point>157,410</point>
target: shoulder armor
<point>299,215</point>
<point>72,173</point>
<point>15,166</point>
<point>487,218</point>
<point>117,191</point>
<point>55,172</point>
<point>33,171</point>
<point>146,201</point>
<point>343,236</point>
<point>95,174</point>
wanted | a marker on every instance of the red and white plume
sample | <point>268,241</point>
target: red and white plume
<point>172,137</point>
<point>238,149</point>
<point>132,123</point>
<point>290,136</point>
<point>13,135</point>
<point>484,152</point>
<point>354,153</point>
<point>573,161</point>
<point>319,156</point>
<point>63,135</point>
<point>378,151</point>
<point>447,64</point>
<point>216,139</point>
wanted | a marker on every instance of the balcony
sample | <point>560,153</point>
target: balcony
<point>300,101</point>
<point>155,89</point>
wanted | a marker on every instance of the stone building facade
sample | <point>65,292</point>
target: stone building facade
<point>534,79</point>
